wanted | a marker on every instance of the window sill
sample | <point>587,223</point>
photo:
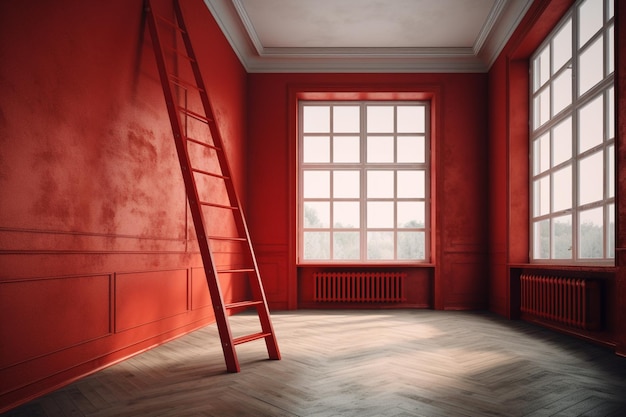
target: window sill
<point>366,265</point>
<point>600,268</point>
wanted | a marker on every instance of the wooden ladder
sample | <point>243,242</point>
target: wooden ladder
<point>205,168</point>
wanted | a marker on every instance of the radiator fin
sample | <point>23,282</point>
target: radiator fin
<point>364,287</point>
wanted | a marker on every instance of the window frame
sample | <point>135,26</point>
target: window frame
<point>603,90</point>
<point>362,167</point>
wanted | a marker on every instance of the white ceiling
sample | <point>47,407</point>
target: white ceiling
<point>367,35</point>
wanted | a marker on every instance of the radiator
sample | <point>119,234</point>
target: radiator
<point>573,302</point>
<point>368,287</point>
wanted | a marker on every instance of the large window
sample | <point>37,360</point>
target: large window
<point>573,139</point>
<point>363,182</point>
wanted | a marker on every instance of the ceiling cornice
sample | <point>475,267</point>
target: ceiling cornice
<point>234,22</point>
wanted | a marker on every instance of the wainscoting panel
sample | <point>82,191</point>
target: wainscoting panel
<point>200,296</point>
<point>145,297</point>
<point>273,268</point>
<point>49,314</point>
<point>467,286</point>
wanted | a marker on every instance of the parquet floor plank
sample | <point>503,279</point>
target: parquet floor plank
<point>410,363</point>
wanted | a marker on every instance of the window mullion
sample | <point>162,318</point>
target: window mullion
<point>363,182</point>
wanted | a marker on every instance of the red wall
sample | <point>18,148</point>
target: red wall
<point>459,161</point>
<point>97,254</point>
<point>508,175</point>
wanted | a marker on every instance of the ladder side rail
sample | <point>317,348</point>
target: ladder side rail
<point>193,198</point>
<point>234,199</point>
<point>215,133</point>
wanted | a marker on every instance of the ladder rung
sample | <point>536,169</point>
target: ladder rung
<point>210,174</point>
<point>195,115</point>
<point>182,83</point>
<point>250,337</point>
<point>242,304</point>
<point>233,239</point>
<point>169,22</point>
<point>208,145</point>
<point>235,270</point>
<point>180,54</point>
<point>206,203</point>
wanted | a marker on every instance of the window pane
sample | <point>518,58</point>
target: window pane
<point>380,149</point>
<point>591,178</point>
<point>380,245</point>
<point>562,237</point>
<point>316,184</point>
<point>562,46</point>
<point>380,184</point>
<point>611,236</point>
<point>590,16</point>
<point>541,196</point>
<point>346,245</point>
<point>346,149</point>
<point>541,153</point>
<point>611,169</point>
<point>346,214</point>
<point>591,234</point>
<point>541,68</point>
<point>542,108</point>
<point>346,184</point>
<point>411,119</point>
<point>316,214</point>
<point>411,149</point>
<point>379,214</point>
<point>541,239</point>
<point>380,119</point>
<point>562,90</point>
<point>611,115</point>
<point>562,183</point>
<point>591,68</point>
<point>411,184</point>
<point>411,245</point>
<point>591,121</point>
<point>316,119</point>
<point>411,214</point>
<point>562,141</point>
<point>346,119</point>
<point>316,245</point>
<point>611,63</point>
<point>316,149</point>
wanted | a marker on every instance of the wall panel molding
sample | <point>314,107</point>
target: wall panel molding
<point>19,266</point>
<point>273,268</point>
<point>145,297</point>
<point>200,296</point>
<point>45,315</point>
<point>19,240</point>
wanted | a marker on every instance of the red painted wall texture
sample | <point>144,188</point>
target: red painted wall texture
<point>98,258</point>
<point>508,174</point>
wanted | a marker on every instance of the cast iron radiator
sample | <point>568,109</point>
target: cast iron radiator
<point>573,302</point>
<point>368,287</point>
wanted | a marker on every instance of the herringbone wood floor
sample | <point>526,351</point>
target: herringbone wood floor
<point>359,363</point>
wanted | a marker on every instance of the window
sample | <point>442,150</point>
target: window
<point>573,139</point>
<point>363,182</point>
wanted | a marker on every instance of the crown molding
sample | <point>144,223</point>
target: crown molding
<point>237,27</point>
